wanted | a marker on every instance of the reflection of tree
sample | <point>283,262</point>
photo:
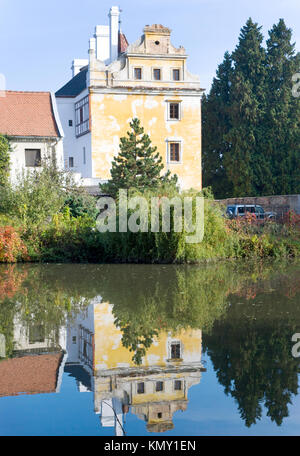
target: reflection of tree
<point>151,299</point>
<point>32,295</point>
<point>250,348</point>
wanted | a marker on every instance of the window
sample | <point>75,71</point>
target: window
<point>71,162</point>
<point>141,388</point>
<point>138,73</point>
<point>176,75</point>
<point>82,117</point>
<point>175,350</point>
<point>36,334</point>
<point>178,385</point>
<point>85,346</point>
<point>156,74</point>
<point>32,157</point>
<point>174,111</point>
<point>159,386</point>
<point>74,340</point>
<point>70,123</point>
<point>241,210</point>
<point>84,156</point>
<point>174,152</point>
<point>159,415</point>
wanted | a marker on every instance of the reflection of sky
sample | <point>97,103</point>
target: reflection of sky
<point>210,412</point>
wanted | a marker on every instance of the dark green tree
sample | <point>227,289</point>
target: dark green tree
<point>138,164</point>
<point>251,135</point>
<point>216,124</point>
<point>282,118</point>
<point>4,160</point>
<point>243,163</point>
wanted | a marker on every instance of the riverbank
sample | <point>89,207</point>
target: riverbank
<point>46,219</point>
<point>67,239</point>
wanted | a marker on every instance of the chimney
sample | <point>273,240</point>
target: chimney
<point>77,64</point>
<point>102,37</point>
<point>114,18</point>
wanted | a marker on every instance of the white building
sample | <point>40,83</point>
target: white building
<point>31,121</point>
<point>73,100</point>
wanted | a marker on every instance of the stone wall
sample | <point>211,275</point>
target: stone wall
<point>280,204</point>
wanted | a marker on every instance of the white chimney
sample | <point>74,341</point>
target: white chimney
<point>77,64</point>
<point>114,17</point>
<point>102,42</point>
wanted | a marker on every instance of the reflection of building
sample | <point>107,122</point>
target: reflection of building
<point>155,390</point>
<point>35,338</point>
<point>38,362</point>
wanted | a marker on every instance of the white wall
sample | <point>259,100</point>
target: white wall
<point>73,147</point>
<point>17,155</point>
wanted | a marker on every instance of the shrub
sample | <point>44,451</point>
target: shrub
<point>81,204</point>
<point>4,160</point>
<point>67,238</point>
<point>37,195</point>
<point>12,248</point>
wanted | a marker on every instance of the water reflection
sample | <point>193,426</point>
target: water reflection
<point>154,389</point>
<point>133,336</point>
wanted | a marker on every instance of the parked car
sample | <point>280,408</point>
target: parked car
<point>239,210</point>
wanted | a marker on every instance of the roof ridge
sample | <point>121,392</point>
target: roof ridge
<point>28,91</point>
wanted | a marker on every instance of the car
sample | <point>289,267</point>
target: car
<point>240,210</point>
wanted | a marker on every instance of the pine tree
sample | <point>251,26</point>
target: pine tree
<point>138,164</point>
<point>215,125</point>
<point>4,160</point>
<point>244,164</point>
<point>251,121</point>
<point>282,119</point>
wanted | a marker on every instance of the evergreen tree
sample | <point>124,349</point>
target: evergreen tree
<point>216,123</point>
<point>251,121</point>
<point>4,160</point>
<point>243,164</point>
<point>282,119</point>
<point>138,164</point>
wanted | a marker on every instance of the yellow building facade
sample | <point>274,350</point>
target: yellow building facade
<point>148,80</point>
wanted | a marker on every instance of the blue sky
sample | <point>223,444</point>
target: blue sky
<point>209,412</point>
<point>39,39</point>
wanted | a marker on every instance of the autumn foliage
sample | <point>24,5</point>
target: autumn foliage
<point>12,248</point>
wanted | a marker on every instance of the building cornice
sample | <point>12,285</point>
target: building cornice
<point>33,138</point>
<point>146,91</point>
<point>158,56</point>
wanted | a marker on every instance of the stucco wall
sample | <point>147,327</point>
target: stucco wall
<point>17,155</point>
<point>111,114</point>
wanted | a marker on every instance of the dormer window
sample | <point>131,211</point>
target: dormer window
<point>157,74</point>
<point>137,73</point>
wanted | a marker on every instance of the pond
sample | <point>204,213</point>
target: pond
<point>150,349</point>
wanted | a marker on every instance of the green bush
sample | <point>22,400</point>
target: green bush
<point>81,204</point>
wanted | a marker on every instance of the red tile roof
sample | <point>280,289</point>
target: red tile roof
<point>123,43</point>
<point>29,374</point>
<point>27,114</point>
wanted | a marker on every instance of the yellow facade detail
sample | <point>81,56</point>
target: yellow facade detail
<point>116,97</point>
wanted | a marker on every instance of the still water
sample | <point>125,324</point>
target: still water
<point>150,350</point>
